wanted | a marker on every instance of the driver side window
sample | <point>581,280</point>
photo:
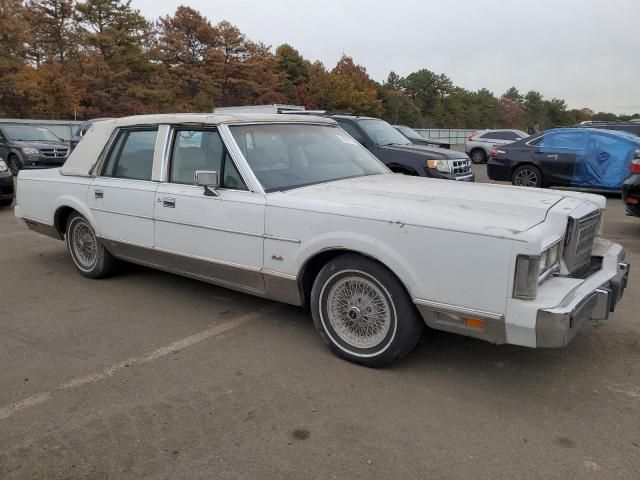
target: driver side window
<point>195,150</point>
<point>351,130</point>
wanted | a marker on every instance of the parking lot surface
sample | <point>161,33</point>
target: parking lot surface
<point>150,375</point>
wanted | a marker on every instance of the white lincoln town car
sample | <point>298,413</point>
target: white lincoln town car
<point>293,209</point>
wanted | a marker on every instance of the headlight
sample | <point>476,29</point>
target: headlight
<point>525,285</point>
<point>3,166</point>
<point>440,165</point>
<point>30,151</point>
<point>533,270</point>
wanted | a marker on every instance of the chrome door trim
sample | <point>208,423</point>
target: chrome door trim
<point>456,310</point>
<point>104,210</point>
<point>268,236</point>
<point>253,280</point>
<point>217,229</point>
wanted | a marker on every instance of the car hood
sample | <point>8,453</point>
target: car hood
<point>38,144</point>
<point>493,210</point>
<point>430,152</point>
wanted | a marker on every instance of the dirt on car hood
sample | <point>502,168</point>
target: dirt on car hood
<point>486,209</point>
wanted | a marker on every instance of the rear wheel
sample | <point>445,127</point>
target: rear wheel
<point>363,312</point>
<point>527,176</point>
<point>89,255</point>
<point>478,156</point>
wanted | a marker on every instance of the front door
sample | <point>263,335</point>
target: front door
<point>122,196</point>
<point>216,238</point>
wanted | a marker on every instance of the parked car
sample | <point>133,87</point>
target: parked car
<point>630,127</point>
<point>290,208</point>
<point>567,157</point>
<point>631,187</point>
<point>81,130</point>
<point>6,185</point>
<point>418,139</point>
<point>24,146</point>
<point>402,156</point>
<point>479,144</point>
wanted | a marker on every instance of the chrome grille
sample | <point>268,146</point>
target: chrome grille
<point>460,166</point>
<point>580,236</point>
<point>54,152</point>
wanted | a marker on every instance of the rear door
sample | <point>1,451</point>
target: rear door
<point>556,153</point>
<point>122,196</point>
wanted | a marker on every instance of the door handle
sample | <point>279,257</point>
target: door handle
<point>98,194</point>
<point>169,202</point>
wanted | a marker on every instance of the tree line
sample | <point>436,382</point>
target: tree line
<point>96,58</point>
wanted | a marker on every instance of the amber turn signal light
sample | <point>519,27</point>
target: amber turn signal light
<point>474,323</point>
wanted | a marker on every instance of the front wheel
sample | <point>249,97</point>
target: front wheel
<point>527,176</point>
<point>363,312</point>
<point>14,165</point>
<point>89,255</point>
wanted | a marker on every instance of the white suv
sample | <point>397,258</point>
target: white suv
<point>479,144</point>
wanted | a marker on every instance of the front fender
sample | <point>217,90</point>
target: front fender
<point>359,243</point>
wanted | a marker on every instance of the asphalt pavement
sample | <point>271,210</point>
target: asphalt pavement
<point>150,375</point>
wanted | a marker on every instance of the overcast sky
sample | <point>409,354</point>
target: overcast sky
<point>584,51</point>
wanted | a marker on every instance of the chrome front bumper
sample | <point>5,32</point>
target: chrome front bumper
<point>593,299</point>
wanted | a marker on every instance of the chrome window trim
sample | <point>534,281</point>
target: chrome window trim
<point>250,179</point>
<point>98,167</point>
<point>163,144</point>
<point>227,141</point>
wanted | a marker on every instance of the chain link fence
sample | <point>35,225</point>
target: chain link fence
<point>454,136</point>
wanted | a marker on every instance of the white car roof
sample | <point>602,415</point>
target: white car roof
<point>85,155</point>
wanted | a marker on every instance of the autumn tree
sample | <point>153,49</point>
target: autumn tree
<point>114,65</point>
<point>294,70</point>
<point>354,89</point>
<point>13,37</point>
<point>187,45</point>
<point>51,30</point>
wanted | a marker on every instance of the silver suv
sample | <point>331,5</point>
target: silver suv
<point>479,144</point>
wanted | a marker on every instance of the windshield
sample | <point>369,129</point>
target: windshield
<point>409,132</point>
<point>290,156</point>
<point>26,133</point>
<point>382,133</point>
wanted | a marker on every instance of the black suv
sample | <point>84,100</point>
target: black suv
<point>401,156</point>
<point>24,146</point>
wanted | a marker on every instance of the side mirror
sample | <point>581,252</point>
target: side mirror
<point>209,180</point>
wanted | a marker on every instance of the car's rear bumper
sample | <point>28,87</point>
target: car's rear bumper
<point>593,299</point>
<point>499,169</point>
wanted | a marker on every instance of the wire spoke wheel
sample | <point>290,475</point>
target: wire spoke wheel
<point>358,312</point>
<point>526,178</point>
<point>84,245</point>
